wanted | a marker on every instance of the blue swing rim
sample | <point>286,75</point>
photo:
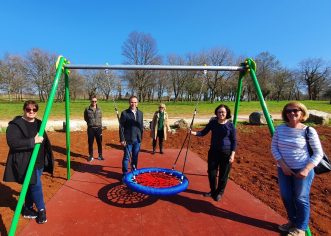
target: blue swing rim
<point>128,180</point>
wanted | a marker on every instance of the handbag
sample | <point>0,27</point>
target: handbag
<point>324,166</point>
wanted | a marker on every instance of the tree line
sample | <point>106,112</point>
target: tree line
<point>33,74</point>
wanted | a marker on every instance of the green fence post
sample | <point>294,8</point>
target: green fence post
<point>67,108</point>
<point>239,91</point>
<point>251,65</point>
<point>35,151</point>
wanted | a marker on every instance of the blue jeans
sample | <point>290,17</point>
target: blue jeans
<point>295,195</point>
<point>133,148</point>
<point>35,193</point>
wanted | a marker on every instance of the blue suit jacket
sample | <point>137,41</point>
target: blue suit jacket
<point>131,128</point>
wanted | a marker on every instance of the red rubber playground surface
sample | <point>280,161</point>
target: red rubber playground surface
<point>95,202</point>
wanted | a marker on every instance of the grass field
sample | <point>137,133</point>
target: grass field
<point>178,109</point>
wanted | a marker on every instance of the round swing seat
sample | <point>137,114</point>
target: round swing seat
<point>156,181</point>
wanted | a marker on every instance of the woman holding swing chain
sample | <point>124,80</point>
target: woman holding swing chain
<point>222,150</point>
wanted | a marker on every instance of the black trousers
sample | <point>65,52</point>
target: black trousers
<point>160,137</point>
<point>94,132</point>
<point>218,161</point>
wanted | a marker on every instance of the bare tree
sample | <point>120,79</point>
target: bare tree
<point>280,83</point>
<point>13,79</point>
<point>40,71</point>
<point>91,85</point>
<point>177,78</point>
<point>314,73</point>
<point>140,49</point>
<point>216,80</point>
<point>161,83</point>
<point>267,65</point>
<point>105,82</point>
<point>76,86</point>
<point>328,93</point>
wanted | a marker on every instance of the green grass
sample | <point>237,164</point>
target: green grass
<point>178,109</point>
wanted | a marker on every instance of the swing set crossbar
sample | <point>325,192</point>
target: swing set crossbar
<point>155,67</point>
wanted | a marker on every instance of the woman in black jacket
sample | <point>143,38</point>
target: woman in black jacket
<point>222,150</point>
<point>22,136</point>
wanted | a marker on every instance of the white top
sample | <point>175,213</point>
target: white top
<point>291,145</point>
<point>134,113</point>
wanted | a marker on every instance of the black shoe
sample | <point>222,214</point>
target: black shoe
<point>153,152</point>
<point>100,158</point>
<point>90,158</point>
<point>41,219</point>
<point>217,197</point>
<point>29,213</point>
<point>161,152</point>
<point>210,194</point>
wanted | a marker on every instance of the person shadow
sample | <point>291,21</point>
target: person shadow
<point>63,151</point>
<point>206,207</point>
<point>8,198</point>
<point>120,147</point>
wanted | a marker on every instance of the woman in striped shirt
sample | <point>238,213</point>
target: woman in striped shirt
<point>295,165</point>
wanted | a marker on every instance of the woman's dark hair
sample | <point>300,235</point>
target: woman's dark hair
<point>30,102</point>
<point>228,111</point>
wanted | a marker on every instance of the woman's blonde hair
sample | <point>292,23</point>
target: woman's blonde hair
<point>299,105</point>
<point>162,105</point>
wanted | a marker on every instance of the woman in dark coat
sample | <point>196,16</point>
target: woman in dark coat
<point>222,150</point>
<point>22,136</point>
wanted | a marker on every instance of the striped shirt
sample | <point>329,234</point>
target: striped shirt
<point>291,145</point>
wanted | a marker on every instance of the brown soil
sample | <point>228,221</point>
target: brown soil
<point>254,170</point>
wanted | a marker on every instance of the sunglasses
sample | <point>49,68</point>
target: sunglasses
<point>31,109</point>
<point>94,101</point>
<point>288,111</point>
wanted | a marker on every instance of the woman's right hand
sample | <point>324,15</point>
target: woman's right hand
<point>38,139</point>
<point>193,132</point>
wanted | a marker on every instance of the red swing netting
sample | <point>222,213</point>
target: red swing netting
<point>157,180</point>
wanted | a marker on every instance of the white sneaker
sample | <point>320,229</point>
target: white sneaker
<point>296,232</point>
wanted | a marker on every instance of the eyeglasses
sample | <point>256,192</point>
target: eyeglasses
<point>94,101</point>
<point>221,112</point>
<point>31,109</point>
<point>288,111</point>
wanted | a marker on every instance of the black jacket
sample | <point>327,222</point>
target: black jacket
<point>129,126</point>
<point>20,151</point>
<point>93,118</point>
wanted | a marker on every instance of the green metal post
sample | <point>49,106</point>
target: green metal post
<point>35,151</point>
<point>236,106</point>
<point>260,96</point>
<point>67,108</point>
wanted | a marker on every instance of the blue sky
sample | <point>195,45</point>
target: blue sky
<point>93,32</point>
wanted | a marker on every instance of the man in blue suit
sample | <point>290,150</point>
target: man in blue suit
<point>131,133</point>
